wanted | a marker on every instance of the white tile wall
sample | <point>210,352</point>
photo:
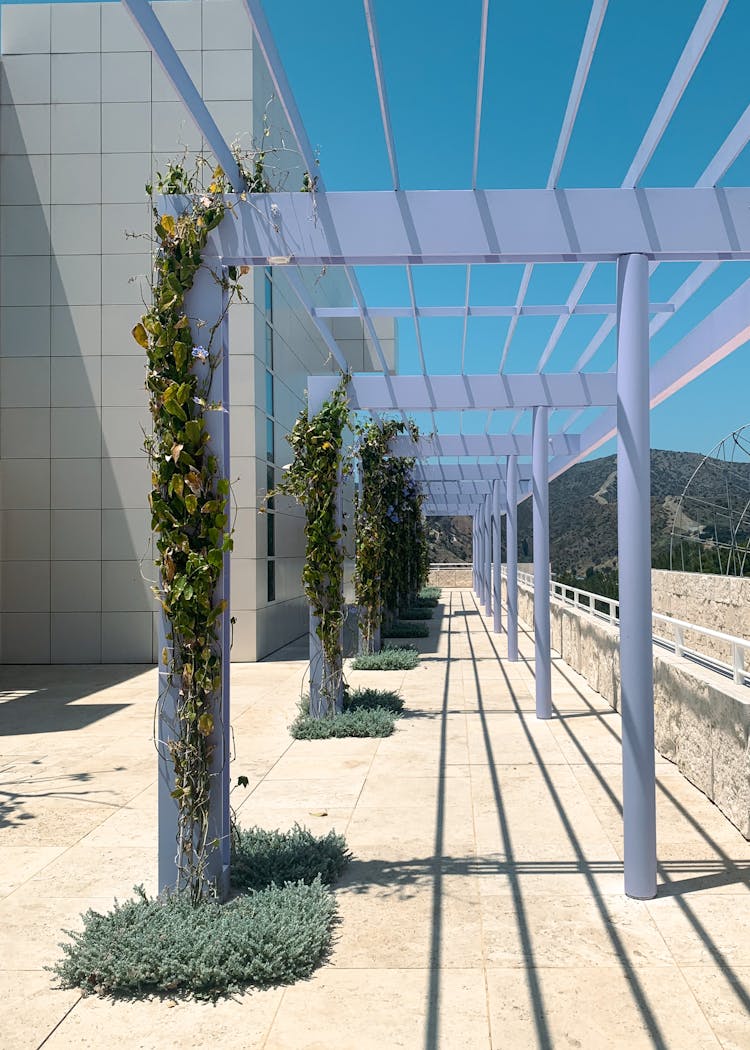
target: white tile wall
<point>86,117</point>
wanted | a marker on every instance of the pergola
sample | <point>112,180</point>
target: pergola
<point>636,227</point>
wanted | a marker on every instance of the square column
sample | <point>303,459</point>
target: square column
<point>482,547</point>
<point>319,668</point>
<point>474,554</point>
<point>488,555</point>
<point>540,493</point>
<point>511,556</point>
<point>207,300</point>
<point>634,547</point>
<point>497,580</point>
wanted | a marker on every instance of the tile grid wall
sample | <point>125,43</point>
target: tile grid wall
<point>85,117</point>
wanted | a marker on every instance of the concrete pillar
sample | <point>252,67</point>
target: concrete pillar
<point>540,492</point>
<point>511,555</point>
<point>474,554</point>
<point>207,300</point>
<point>488,555</point>
<point>634,546</point>
<point>497,579</point>
<point>317,660</point>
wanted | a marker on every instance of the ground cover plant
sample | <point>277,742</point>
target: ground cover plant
<point>263,857</point>
<point>390,658</point>
<point>428,596</point>
<point>400,629</point>
<point>367,713</point>
<point>418,612</point>
<point>276,932</point>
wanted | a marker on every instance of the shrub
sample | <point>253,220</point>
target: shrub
<point>430,594</point>
<point>419,612</point>
<point>264,857</point>
<point>367,697</point>
<point>399,629</point>
<point>274,936</point>
<point>360,722</point>
<point>390,658</point>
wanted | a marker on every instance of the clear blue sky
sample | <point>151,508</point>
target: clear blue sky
<point>430,51</point>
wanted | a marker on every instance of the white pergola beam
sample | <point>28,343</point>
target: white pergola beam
<point>551,310</point>
<point>478,445</point>
<point>458,227</point>
<point>372,392</point>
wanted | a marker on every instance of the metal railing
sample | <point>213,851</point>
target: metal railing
<point>673,639</point>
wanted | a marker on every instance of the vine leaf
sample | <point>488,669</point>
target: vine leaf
<point>141,336</point>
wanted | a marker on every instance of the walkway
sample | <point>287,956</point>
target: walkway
<point>484,910</point>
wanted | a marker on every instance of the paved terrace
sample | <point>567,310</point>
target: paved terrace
<point>485,906</point>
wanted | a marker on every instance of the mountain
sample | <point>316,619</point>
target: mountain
<point>583,512</point>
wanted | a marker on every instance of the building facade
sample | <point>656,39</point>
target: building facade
<point>86,120</point>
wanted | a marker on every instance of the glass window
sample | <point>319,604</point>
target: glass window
<point>269,394</point>
<point>270,445</point>
<point>269,296</point>
<point>270,483</point>
<point>269,346</point>
<point>271,581</point>
<point>271,533</point>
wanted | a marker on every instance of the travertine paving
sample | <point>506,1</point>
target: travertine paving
<point>484,908</point>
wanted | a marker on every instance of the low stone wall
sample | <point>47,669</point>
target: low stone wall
<point>702,722</point>
<point>719,602</point>
<point>450,576</point>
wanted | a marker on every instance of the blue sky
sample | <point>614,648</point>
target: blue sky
<point>430,52</point>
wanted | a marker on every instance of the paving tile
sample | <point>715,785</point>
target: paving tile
<point>595,1006</point>
<point>378,1008</point>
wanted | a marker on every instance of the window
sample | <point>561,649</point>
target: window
<point>270,445</point>
<point>271,534</point>
<point>269,394</point>
<point>269,346</point>
<point>270,483</point>
<point>269,295</point>
<point>271,581</point>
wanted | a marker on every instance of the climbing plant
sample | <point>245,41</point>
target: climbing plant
<point>189,494</point>
<point>313,479</point>
<point>374,517</point>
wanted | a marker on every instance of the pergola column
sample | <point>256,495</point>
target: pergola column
<point>511,556</point>
<point>317,396</point>
<point>634,547</point>
<point>480,567</point>
<point>207,300</point>
<point>497,583</point>
<point>540,493</point>
<point>488,555</point>
<point>474,553</point>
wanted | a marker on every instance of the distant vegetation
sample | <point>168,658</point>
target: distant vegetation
<point>583,521</point>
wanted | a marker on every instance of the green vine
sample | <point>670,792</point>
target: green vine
<point>373,503</point>
<point>313,480</point>
<point>188,501</point>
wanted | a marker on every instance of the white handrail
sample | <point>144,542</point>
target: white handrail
<point>591,603</point>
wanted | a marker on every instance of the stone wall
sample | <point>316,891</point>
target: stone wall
<point>719,602</point>
<point>450,576</point>
<point>702,721</point>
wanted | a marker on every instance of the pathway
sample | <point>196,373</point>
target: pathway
<point>484,910</point>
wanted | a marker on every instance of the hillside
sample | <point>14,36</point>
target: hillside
<point>583,512</point>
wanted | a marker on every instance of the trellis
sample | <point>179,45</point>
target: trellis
<point>638,228</point>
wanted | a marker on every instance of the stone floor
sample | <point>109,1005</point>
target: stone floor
<point>484,908</point>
